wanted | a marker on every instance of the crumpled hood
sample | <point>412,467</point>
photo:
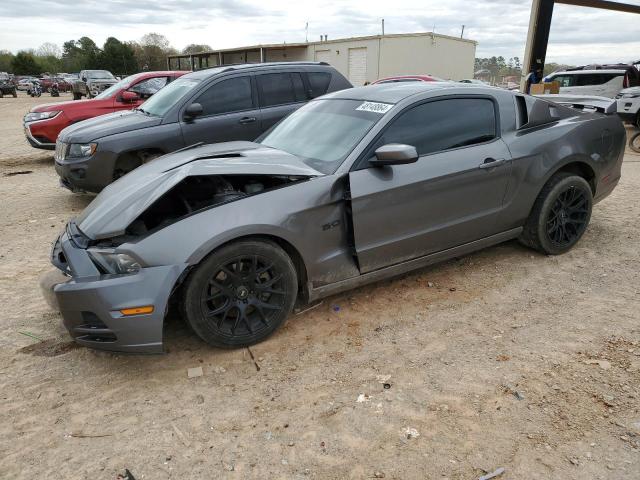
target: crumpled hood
<point>111,212</point>
<point>105,125</point>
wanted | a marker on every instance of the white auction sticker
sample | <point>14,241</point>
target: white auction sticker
<point>375,107</point>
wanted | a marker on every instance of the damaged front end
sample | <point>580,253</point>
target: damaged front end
<point>116,294</point>
<point>197,193</point>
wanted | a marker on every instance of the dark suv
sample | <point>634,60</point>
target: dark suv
<point>236,102</point>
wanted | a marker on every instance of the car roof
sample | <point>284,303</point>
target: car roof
<point>209,72</point>
<point>159,73</point>
<point>619,71</point>
<point>396,92</point>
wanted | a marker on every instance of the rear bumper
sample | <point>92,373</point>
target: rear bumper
<point>90,303</point>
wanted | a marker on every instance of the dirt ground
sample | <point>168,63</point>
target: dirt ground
<point>504,358</point>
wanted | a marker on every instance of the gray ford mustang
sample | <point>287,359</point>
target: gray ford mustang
<point>354,187</point>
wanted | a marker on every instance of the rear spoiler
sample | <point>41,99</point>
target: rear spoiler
<point>604,105</point>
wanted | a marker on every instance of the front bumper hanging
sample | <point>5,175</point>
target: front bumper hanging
<point>91,302</point>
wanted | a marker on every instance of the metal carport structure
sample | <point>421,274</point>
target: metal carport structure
<point>540,25</point>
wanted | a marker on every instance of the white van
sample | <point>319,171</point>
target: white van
<point>598,82</point>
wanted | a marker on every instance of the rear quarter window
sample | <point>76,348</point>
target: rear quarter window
<point>318,83</point>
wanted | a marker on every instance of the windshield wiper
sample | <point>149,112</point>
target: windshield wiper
<point>141,110</point>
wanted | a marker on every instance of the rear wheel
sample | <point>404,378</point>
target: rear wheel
<point>240,294</point>
<point>77,95</point>
<point>560,215</point>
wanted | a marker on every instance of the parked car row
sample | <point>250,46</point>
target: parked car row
<point>342,186</point>
<point>214,105</point>
<point>43,123</point>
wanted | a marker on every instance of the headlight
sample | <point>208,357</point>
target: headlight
<point>630,95</point>
<point>81,150</point>
<point>116,263</point>
<point>34,116</point>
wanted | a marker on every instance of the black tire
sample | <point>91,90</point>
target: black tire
<point>240,294</point>
<point>1,94</point>
<point>560,215</point>
<point>634,142</point>
<point>77,96</point>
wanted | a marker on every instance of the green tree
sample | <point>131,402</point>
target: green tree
<point>6,59</point>
<point>80,54</point>
<point>24,63</point>
<point>117,57</point>
<point>196,48</point>
<point>152,50</point>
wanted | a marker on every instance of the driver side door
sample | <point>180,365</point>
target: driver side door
<point>230,112</point>
<point>452,195</point>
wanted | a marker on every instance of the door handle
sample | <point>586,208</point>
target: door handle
<point>491,163</point>
<point>245,120</point>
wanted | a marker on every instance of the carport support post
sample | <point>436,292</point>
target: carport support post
<point>537,38</point>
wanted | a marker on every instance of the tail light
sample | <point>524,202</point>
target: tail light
<point>625,82</point>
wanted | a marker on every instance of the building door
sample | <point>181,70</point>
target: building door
<point>322,56</point>
<point>358,66</point>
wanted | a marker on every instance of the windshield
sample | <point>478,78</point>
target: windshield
<point>100,75</point>
<point>324,132</point>
<point>111,91</point>
<point>168,96</point>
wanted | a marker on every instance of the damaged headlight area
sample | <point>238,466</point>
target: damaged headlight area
<point>110,262</point>
<point>81,150</point>
<point>36,116</point>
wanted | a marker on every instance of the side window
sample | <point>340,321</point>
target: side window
<point>148,87</point>
<point>597,78</point>
<point>565,80</point>
<point>442,125</point>
<point>231,95</point>
<point>275,89</point>
<point>298,87</point>
<point>319,83</point>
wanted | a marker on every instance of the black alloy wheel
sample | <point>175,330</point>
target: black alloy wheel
<point>568,217</point>
<point>240,294</point>
<point>244,295</point>
<point>560,214</point>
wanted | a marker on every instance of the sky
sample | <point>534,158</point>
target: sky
<point>578,35</point>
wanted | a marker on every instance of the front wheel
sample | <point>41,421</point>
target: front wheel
<point>560,215</point>
<point>240,294</point>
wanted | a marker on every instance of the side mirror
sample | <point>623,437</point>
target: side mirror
<point>394,154</point>
<point>129,96</point>
<point>193,110</point>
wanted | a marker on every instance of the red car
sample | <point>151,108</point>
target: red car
<point>409,78</point>
<point>44,122</point>
<point>47,83</point>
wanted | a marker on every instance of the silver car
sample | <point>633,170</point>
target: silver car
<point>353,187</point>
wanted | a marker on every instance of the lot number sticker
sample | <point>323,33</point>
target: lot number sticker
<point>375,107</point>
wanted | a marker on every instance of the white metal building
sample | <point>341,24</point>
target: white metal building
<point>360,59</point>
